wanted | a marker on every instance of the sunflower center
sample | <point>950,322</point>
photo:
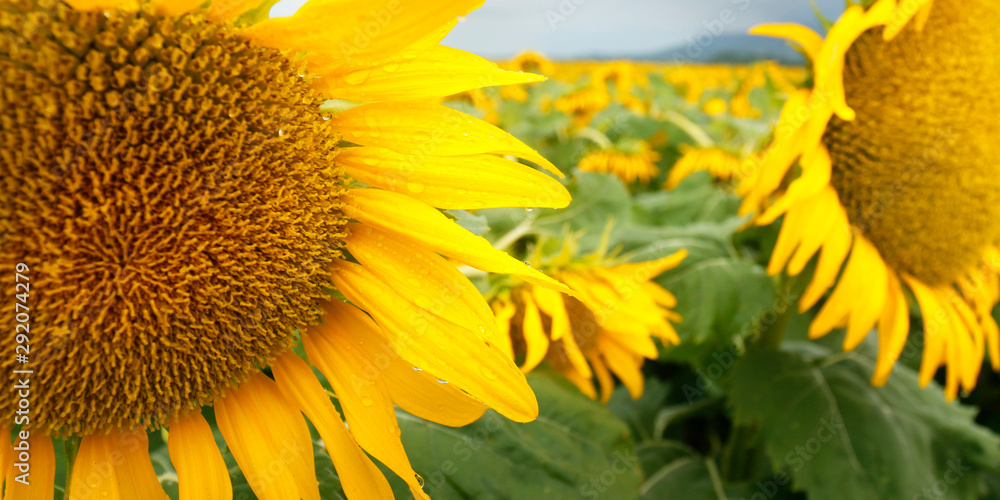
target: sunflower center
<point>919,169</point>
<point>172,190</point>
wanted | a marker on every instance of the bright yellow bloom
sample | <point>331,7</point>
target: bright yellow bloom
<point>584,103</point>
<point>636,163</point>
<point>607,327</point>
<point>716,161</point>
<point>715,106</point>
<point>900,178</point>
<point>183,180</point>
<point>530,61</point>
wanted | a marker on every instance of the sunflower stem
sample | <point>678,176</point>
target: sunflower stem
<point>71,446</point>
<point>772,332</point>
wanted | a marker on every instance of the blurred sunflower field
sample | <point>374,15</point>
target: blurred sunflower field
<point>324,256</point>
<point>740,403</point>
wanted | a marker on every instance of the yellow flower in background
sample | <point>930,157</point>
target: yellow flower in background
<point>715,106</point>
<point>584,103</point>
<point>721,164</point>
<point>532,62</point>
<point>899,178</point>
<point>631,162</point>
<point>176,184</point>
<point>606,327</point>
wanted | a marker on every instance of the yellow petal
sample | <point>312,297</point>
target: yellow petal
<point>366,402</point>
<point>504,310</point>
<point>269,439</point>
<point>93,472</point>
<point>423,277</point>
<point>6,451</point>
<point>816,170</point>
<point>645,271</point>
<point>201,472</point>
<point>470,363</point>
<point>992,334</point>
<point>907,10</point>
<point>936,326</point>
<point>825,215</point>
<point>575,356</point>
<point>455,182</point>
<point>430,130</point>
<point>660,295</point>
<point>175,8</point>
<point>417,392</point>
<point>872,297</point>
<point>222,11</point>
<point>842,301</point>
<point>358,29</point>
<point>604,379</point>
<point>831,258</point>
<point>418,73</point>
<point>893,327</point>
<point>810,41</point>
<point>42,473</point>
<point>114,466</point>
<point>535,339</point>
<point>585,384</point>
<point>359,477</point>
<point>92,5</point>
<point>421,223</point>
<point>626,366</point>
<point>136,477</point>
<point>551,303</point>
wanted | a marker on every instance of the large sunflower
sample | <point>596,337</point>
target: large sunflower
<point>188,186</point>
<point>605,327</point>
<point>900,178</point>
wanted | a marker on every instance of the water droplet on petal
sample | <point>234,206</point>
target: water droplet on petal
<point>442,381</point>
<point>367,401</point>
<point>420,480</point>
<point>417,369</point>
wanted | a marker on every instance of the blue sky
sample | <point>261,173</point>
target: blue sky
<point>581,28</point>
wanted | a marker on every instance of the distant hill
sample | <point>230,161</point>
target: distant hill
<point>730,49</point>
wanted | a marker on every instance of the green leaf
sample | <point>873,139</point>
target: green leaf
<point>839,437</point>
<point>696,199</point>
<point>474,223</point>
<point>575,449</point>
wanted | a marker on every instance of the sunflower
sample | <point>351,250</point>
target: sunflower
<point>900,178</point>
<point>631,161</point>
<point>190,187</point>
<point>582,104</point>
<point>715,106</point>
<point>606,326</point>
<point>721,164</point>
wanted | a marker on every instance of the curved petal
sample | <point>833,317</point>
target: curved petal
<point>455,182</point>
<point>418,222</point>
<point>41,481</point>
<point>201,471</point>
<point>427,129</point>
<point>365,401</point>
<point>472,364</point>
<point>418,73</point>
<point>358,29</point>
<point>269,439</point>
<point>360,478</point>
<point>417,391</point>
